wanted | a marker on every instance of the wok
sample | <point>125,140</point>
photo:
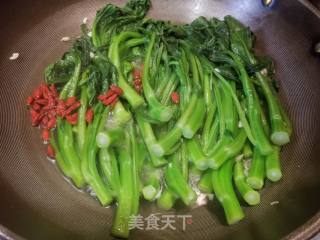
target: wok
<point>37,203</point>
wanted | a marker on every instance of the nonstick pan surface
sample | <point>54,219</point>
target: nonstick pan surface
<point>37,203</point>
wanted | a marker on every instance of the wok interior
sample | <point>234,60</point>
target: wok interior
<point>37,203</point>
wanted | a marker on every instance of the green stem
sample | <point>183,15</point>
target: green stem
<point>68,153</point>
<point>207,90</point>
<point>218,99</point>
<point>132,43</point>
<point>149,140</point>
<point>211,109</point>
<point>176,183</point>
<point>240,111</point>
<point>120,227</point>
<point>196,119</point>
<point>110,171</point>
<point>194,69</point>
<point>257,170</point>
<point>213,137</point>
<point>120,116</point>
<point>174,148</point>
<point>174,135</point>
<point>163,85</point>
<point>280,134</point>
<point>151,186</point>
<point>251,196</point>
<point>134,99</point>
<point>135,170</point>
<point>228,108</point>
<point>273,168</point>
<point>200,70</point>
<point>156,110</point>
<point>184,161</point>
<point>208,124</point>
<point>59,158</point>
<point>247,151</point>
<point>254,109</point>
<point>205,183</point>
<point>105,138</point>
<point>88,164</point>
<point>69,89</point>
<point>166,200</point>
<point>82,118</point>
<point>196,155</point>
<point>170,88</point>
<point>228,150</point>
<point>222,186</point>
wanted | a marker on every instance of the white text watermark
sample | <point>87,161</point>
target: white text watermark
<point>159,221</point>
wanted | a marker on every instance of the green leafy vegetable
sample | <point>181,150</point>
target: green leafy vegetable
<point>148,108</point>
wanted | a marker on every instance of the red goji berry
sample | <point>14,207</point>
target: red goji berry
<point>41,86</point>
<point>102,97</point>
<point>34,117</point>
<point>138,88</point>
<point>35,123</point>
<point>47,108</point>
<point>175,97</point>
<point>61,113</point>
<point>51,101</point>
<point>60,109</point>
<point>89,115</point>
<point>110,99</point>
<point>106,95</point>
<point>37,93</point>
<point>51,114</point>
<point>70,101</point>
<point>53,90</point>
<point>45,135</point>
<point>116,89</point>
<point>33,113</point>
<point>113,103</point>
<point>45,90</point>
<point>36,107</point>
<point>72,108</point>
<point>109,93</point>
<point>42,101</point>
<point>29,100</point>
<point>44,121</point>
<point>136,73</point>
<point>72,119</point>
<point>51,123</point>
<point>137,81</point>
<point>50,151</point>
<point>41,115</point>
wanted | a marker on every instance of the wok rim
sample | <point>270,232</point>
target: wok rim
<point>307,231</point>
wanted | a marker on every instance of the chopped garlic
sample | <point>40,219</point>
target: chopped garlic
<point>274,203</point>
<point>202,199</point>
<point>264,72</point>
<point>240,125</point>
<point>65,39</point>
<point>246,166</point>
<point>239,157</point>
<point>85,20</point>
<point>92,55</point>
<point>14,56</point>
<point>210,196</point>
<point>90,34</point>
